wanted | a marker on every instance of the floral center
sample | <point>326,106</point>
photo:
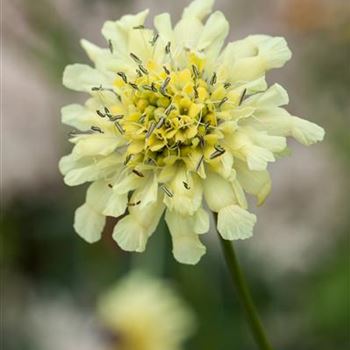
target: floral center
<point>171,114</point>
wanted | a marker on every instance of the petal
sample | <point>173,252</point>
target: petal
<point>148,193</point>
<point>97,195</point>
<point>80,77</point>
<point>274,50</point>
<point>213,34</point>
<point>88,223</point>
<point>306,132</point>
<point>235,223</point>
<point>275,96</point>
<point>198,9</point>
<point>117,31</point>
<point>201,221</point>
<point>187,248</point>
<point>92,50</point>
<point>96,144</point>
<point>79,171</point>
<point>163,25</point>
<point>187,193</point>
<point>132,232</point>
<point>218,192</point>
<point>257,183</point>
<point>82,118</point>
<point>116,204</point>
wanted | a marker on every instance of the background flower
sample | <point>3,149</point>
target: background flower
<point>145,313</point>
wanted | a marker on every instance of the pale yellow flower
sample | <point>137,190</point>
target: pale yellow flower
<point>145,313</point>
<point>174,120</point>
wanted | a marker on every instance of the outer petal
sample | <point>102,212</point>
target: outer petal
<point>80,77</point>
<point>132,232</point>
<point>257,183</point>
<point>187,247</point>
<point>185,200</point>
<point>117,31</point>
<point>88,223</point>
<point>96,144</point>
<point>218,192</point>
<point>198,9</point>
<point>213,34</point>
<point>235,223</point>
<point>306,132</point>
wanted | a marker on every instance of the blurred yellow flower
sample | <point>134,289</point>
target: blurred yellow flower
<point>145,313</point>
<point>173,121</point>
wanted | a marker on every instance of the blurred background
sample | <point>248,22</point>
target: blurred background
<point>297,263</point>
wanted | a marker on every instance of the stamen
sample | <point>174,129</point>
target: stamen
<point>127,159</point>
<point>195,89</point>
<point>110,45</point>
<point>77,133</point>
<point>100,114</point>
<point>134,86</point>
<point>143,69</point>
<point>166,70</point>
<point>141,26</point>
<point>169,109</point>
<point>227,85</point>
<point>110,185</point>
<point>113,118</point>
<point>139,73</point>
<point>186,185</point>
<point>154,89</point>
<point>164,86</point>
<point>199,163</point>
<point>160,123</point>
<point>218,152</point>
<point>135,58</point>
<point>154,39</point>
<point>223,101</point>
<point>147,87</point>
<point>142,118</point>
<point>96,88</point>
<point>97,129</point>
<point>123,76</point>
<point>213,79</point>
<point>138,173</point>
<point>167,191</point>
<point>107,110</point>
<point>167,48</point>
<point>119,127</point>
<point>134,204</point>
<point>150,130</point>
<point>242,97</point>
<point>201,141</point>
<point>195,71</point>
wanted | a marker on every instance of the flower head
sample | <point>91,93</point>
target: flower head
<point>145,314</point>
<point>174,120</point>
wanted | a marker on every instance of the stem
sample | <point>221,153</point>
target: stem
<point>244,295</point>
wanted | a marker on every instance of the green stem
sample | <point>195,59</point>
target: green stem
<point>244,295</point>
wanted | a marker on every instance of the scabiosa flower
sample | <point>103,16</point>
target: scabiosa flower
<point>145,313</point>
<point>176,123</point>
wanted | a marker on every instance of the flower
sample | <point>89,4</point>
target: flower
<point>145,313</point>
<point>175,121</point>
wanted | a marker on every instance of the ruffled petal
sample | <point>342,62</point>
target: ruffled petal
<point>218,192</point>
<point>187,247</point>
<point>235,223</point>
<point>198,9</point>
<point>80,77</point>
<point>257,183</point>
<point>88,223</point>
<point>132,232</point>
